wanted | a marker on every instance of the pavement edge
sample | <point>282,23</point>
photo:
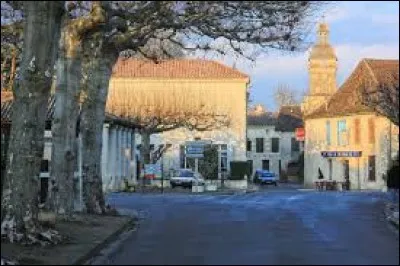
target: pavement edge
<point>132,222</point>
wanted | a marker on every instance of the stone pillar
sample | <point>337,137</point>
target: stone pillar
<point>118,156</point>
<point>113,157</point>
<point>133,155</point>
<point>104,155</point>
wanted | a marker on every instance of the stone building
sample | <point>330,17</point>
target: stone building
<point>345,139</point>
<point>174,88</point>
<point>271,141</point>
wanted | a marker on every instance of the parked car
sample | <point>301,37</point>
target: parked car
<point>265,177</point>
<point>186,178</point>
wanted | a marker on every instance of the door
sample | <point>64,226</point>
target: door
<point>371,168</point>
<point>250,163</point>
<point>346,170</point>
<point>280,167</point>
<point>265,164</point>
<point>330,168</point>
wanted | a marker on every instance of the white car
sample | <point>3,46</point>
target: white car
<point>186,178</point>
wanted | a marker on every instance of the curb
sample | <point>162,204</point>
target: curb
<point>98,248</point>
<point>389,219</point>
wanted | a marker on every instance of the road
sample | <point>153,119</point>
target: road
<point>268,227</point>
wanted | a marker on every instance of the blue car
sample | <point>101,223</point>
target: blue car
<point>265,177</point>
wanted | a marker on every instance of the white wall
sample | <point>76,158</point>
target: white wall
<point>285,153</point>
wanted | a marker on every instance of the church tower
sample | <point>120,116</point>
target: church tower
<point>322,67</point>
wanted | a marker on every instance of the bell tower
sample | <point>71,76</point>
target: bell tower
<point>322,67</point>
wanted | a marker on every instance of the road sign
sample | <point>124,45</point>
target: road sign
<point>300,134</point>
<point>330,154</point>
<point>195,149</point>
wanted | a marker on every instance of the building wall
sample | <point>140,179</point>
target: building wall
<point>316,142</point>
<point>285,153</point>
<point>118,156</point>
<point>223,97</point>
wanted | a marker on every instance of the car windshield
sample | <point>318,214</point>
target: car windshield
<point>186,174</point>
<point>266,174</point>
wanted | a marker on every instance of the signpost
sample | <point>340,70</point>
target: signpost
<point>195,149</point>
<point>330,154</point>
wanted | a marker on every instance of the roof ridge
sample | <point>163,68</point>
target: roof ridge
<point>370,70</point>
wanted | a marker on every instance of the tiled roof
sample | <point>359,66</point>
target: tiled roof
<point>265,119</point>
<point>287,119</point>
<point>6,112</point>
<point>175,69</point>
<point>346,100</point>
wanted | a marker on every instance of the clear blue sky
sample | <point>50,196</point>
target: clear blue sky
<point>357,30</point>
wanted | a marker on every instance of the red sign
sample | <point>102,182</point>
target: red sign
<point>300,134</point>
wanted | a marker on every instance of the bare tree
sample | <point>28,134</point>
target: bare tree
<point>383,97</point>
<point>222,27</point>
<point>284,95</point>
<point>179,108</point>
<point>31,92</point>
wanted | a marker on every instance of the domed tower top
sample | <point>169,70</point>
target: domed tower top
<point>322,49</point>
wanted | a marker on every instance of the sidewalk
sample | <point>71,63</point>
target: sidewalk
<point>85,238</point>
<point>392,213</point>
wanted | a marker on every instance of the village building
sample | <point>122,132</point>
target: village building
<point>271,141</point>
<point>184,90</point>
<point>345,140</point>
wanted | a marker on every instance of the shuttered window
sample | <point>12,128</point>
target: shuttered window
<point>357,131</point>
<point>371,131</point>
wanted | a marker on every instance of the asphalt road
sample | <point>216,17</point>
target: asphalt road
<point>283,227</point>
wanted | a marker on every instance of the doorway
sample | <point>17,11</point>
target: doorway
<point>265,165</point>
<point>346,170</point>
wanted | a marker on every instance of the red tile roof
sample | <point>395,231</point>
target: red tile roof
<point>345,101</point>
<point>175,69</point>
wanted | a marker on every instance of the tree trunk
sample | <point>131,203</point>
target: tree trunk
<point>95,90</point>
<point>31,91</point>
<point>64,152</point>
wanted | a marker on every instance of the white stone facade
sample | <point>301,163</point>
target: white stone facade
<point>284,155</point>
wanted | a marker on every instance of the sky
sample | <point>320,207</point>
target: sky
<point>357,30</point>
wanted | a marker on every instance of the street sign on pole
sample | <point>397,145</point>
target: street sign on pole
<point>195,149</point>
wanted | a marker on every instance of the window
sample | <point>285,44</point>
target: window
<point>275,144</point>
<point>248,145</point>
<point>357,131</point>
<point>371,168</point>
<point>259,145</point>
<point>341,132</point>
<point>328,132</point>
<point>371,131</point>
<point>330,168</point>
<point>295,145</point>
<point>265,164</point>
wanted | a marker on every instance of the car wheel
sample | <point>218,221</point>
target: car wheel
<point>173,186</point>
